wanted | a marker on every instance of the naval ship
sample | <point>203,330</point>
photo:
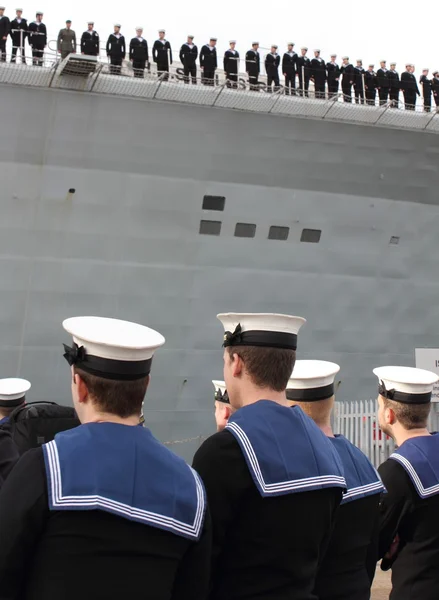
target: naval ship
<point>166,203</point>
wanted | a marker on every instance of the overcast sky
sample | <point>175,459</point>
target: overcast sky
<point>371,30</point>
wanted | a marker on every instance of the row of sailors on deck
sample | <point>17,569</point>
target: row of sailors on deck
<point>298,70</point>
<point>275,506</point>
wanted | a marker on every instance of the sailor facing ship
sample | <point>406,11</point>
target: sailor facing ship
<point>104,510</point>
<point>12,395</point>
<point>347,569</point>
<point>409,532</point>
<point>223,409</point>
<point>273,479</point>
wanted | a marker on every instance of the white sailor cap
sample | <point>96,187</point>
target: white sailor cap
<point>191,37</point>
<point>139,27</point>
<point>381,61</point>
<point>333,56</point>
<point>406,384</point>
<point>232,42</point>
<point>39,12</point>
<point>221,394</point>
<point>162,31</point>
<point>2,7</point>
<point>291,44</point>
<point>371,65</point>
<point>304,48</point>
<point>426,69</point>
<point>111,348</point>
<point>312,380</point>
<point>261,329</point>
<point>273,46</point>
<point>213,39</point>
<point>435,72</point>
<point>360,60</point>
<point>117,25</point>
<point>317,50</point>
<point>345,57</point>
<point>255,43</point>
<point>393,64</point>
<point>12,391</point>
<point>90,22</point>
<point>18,10</point>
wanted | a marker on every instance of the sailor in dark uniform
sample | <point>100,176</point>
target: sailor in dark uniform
<point>370,83</point>
<point>162,55</point>
<point>359,82</point>
<point>252,66</point>
<point>188,58</point>
<point>116,50</point>
<point>409,87</point>
<point>273,479</point>
<point>289,69</point>
<point>435,87</point>
<point>409,530</point>
<point>209,62</point>
<point>334,73</point>
<point>5,28</point>
<point>38,39</point>
<point>272,62</point>
<point>139,53</point>
<point>318,73</point>
<point>105,510</point>
<point>12,395</point>
<point>348,73</point>
<point>223,409</point>
<point>303,71</point>
<point>231,65</point>
<point>426,90</point>
<point>394,85</point>
<point>18,36</point>
<point>348,566</point>
<point>383,83</point>
<point>90,41</point>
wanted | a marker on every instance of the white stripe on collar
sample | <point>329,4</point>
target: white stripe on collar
<point>283,486</point>
<point>423,492</point>
<point>58,500</point>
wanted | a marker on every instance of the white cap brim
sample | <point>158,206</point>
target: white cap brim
<point>408,380</point>
<point>219,385</point>
<point>311,374</point>
<point>13,388</point>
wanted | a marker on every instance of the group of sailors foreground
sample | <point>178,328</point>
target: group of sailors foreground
<point>275,506</point>
<point>298,69</point>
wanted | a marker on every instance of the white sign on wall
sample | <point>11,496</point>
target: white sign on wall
<point>428,358</point>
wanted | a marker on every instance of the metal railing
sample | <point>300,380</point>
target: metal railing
<point>174,87</point>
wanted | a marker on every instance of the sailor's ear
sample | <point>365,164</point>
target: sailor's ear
<point>81,388</point>
<point>237,365</point>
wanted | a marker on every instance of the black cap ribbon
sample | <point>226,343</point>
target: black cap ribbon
<point>233,339</point>
<point>74,354</point>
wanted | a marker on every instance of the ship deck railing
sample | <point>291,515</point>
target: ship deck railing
<point>67,74</point>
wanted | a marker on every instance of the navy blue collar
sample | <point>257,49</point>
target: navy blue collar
<point>125,471</point>
<point>420,458</point>
<point>284,449</point>
<point>4,420</point>
<point>362,479</point>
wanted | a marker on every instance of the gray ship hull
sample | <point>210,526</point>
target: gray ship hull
<point>127,243</point>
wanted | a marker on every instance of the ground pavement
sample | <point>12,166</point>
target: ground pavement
<point>381,585</point>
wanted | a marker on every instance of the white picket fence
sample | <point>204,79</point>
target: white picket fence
<point>357,421</point>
